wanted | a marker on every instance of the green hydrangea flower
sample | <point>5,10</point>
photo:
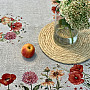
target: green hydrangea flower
<point>76,13</point>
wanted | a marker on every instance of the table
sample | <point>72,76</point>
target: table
<point>36,13</point>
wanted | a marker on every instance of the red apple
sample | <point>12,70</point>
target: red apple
<point>28,50</point>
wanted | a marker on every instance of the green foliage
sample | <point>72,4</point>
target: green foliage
<point>17,32</point>
<point>46,88</point>
<point>54,67</point>
<point>58,85</point>
<point>44,75</point>
<point>58,66</point>
<point>36,87</point>
<point>46,70</point>
<point>2,39</point>
<point>58,1</point>
<point>41,78</point>
<point>9,24</point>
<point>0,20</point>
<point>41,86</point>
<point>76,13</point>
<point>3,36</point>
<point>64,23</point>
<point>49,79</point>
<point>88,85</point>
<point>25,88</point>
<point>69,1</point>
<point>58,10</point>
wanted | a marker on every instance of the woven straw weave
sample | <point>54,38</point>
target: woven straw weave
<point>77,53</point>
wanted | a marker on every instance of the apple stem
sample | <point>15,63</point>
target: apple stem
<point>29,47</point>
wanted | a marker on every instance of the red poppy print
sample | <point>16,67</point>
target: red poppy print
<point>77,68</point>
<point>81,88</point>
<point>1,34</point>
<point>75,88</point>
<point>12,19</point>
<point>16,26</point>
<point>53,9</point>
<point>75,77</point>
<point>7,79</point>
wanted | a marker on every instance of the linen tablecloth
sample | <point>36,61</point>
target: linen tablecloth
<point>36,14</point>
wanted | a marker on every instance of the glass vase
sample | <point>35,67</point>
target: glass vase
<point>63,33</point>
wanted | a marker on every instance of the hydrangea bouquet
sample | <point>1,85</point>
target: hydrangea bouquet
<point>71,16</point>
<point>76,13</point>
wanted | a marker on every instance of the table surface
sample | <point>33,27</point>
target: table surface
<point>36,13</point>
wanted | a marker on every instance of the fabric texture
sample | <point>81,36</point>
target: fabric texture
<point>36,13</point>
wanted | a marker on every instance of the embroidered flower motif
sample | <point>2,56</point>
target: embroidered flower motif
<point>75,88</point>
<point>12,19</point>
<point>1,34</point>
<point>75,77</point>
<point>47,82</point>
<point>5,20</point>
<point>81,88</point>
<point>46,69</point>
<point>16,26</point>
<point>56,74</point>
<point>7,79</point>
<point>53,9</point>
<point>10,35</point>
<point>77,68</point>
<point>54,2</point>
<point>29,78</point>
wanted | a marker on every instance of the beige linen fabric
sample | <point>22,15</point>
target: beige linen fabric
<point>37,13</point>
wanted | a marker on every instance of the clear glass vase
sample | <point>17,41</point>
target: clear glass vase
<point>63,33</point>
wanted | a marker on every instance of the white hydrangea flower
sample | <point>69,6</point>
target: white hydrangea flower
<point>76,13</point>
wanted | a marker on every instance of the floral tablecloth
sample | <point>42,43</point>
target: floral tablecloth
<point>20,23</point>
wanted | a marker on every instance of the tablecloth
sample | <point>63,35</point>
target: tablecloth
<point>34,15</point>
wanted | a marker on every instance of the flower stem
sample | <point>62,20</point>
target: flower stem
<point>8,87</point>
<point>58,84</point>
<point>71,35</point>
<point>50,87</point>
<point>47,78</point>
<point>47,74</point>
<point>31,86</point>
<point>47,87</point>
